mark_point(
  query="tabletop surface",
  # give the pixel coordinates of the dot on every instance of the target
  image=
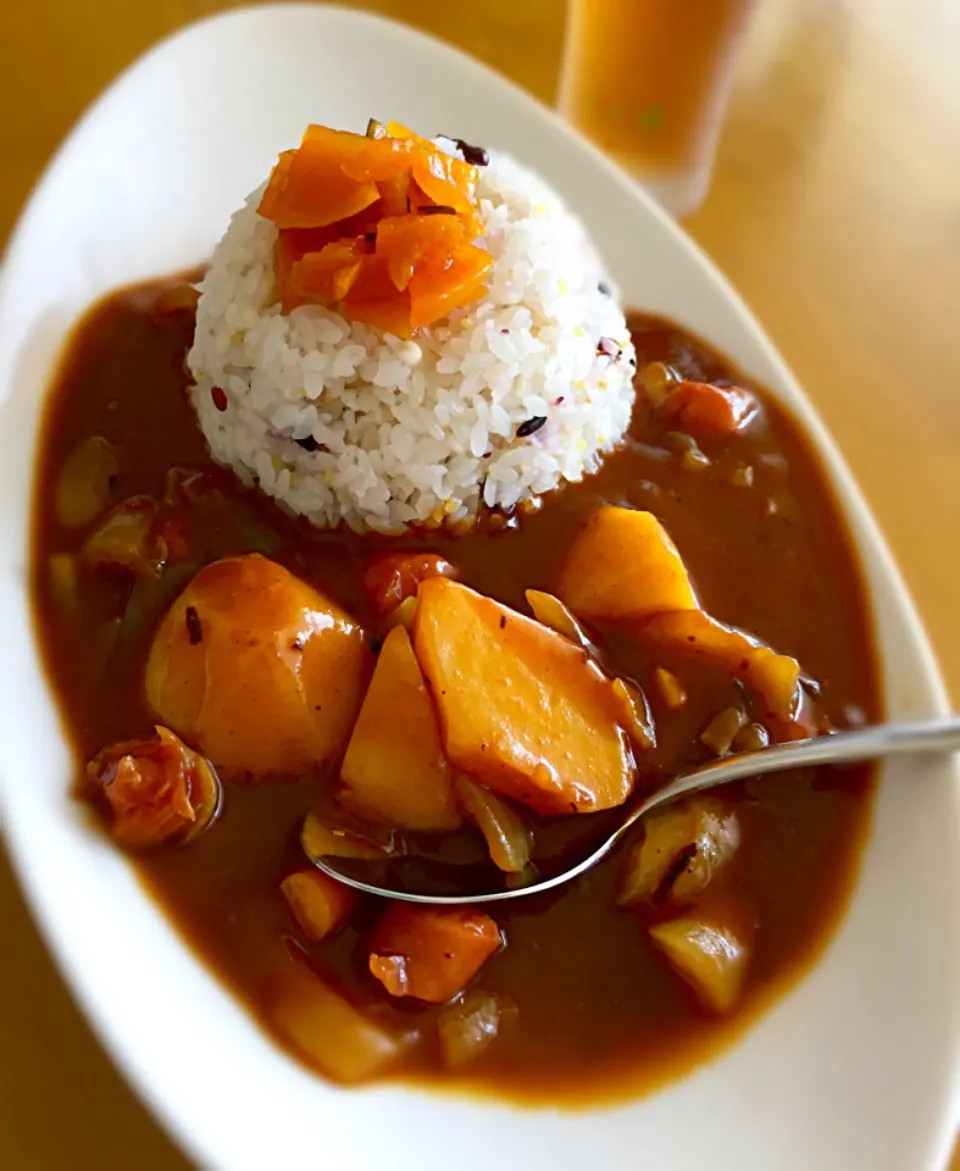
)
(835, 209)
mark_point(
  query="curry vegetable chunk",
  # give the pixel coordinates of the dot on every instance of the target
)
(256, 668)
(711, 956)
(431, 953)
(395, 771)
(326, 1029)
(681, 849)
(521, 708)
(623, 565)
(154, 790)
(319, 904)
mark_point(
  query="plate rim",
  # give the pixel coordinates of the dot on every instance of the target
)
(865, 532)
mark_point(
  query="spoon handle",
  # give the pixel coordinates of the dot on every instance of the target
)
(873, 743)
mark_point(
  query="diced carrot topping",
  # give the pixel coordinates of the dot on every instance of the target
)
(387, 316)
(378, 159)
(278, 180)
(398, 130)
(448, 181)
(710, 410)
(431, 953)
(375, 300)
(315, 190)
(394, 195)
(381, 227)
(389, 579)
(406, 241)
(436, 291)
(327, 275)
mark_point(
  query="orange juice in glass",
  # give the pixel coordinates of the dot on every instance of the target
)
(647, 81)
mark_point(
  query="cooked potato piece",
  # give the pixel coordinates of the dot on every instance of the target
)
(521, 709)
(772, 676)
(665, 835)
(682, 848)
(508, 839)
(623, 565)
(470, 1025)
(82, 488)
(431, 953)
(257, 668)
(317, 902)
(325, 1029)
(717, 839)
(710, 957)
(395, 771)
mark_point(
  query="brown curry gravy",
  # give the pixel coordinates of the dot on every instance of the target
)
(601, 1014)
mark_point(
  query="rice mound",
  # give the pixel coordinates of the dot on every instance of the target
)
(498, 403)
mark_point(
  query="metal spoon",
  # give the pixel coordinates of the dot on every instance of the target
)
(882, 740)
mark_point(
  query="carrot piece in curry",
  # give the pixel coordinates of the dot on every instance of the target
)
(711, 411)
(431, 953)
(391, 578)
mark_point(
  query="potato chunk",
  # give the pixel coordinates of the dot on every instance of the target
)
(431, 953)
(774, 677)
(395, 770)
(326, 1029)
(521, 708)
(469, 1026)
(623, 565)
(682, 849)
(256, 668)
(711, 957)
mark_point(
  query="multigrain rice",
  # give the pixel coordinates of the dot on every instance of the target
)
(497, 404)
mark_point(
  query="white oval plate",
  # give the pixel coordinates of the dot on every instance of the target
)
(855, 1070)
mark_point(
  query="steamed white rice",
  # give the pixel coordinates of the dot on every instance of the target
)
(410, 433)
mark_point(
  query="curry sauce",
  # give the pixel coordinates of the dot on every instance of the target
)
(599, 1015)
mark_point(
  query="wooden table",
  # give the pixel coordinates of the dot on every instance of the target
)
(835, 209)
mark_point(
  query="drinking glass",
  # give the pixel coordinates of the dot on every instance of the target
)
(648, 81)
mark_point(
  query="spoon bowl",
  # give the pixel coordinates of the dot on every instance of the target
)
(872, 743)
